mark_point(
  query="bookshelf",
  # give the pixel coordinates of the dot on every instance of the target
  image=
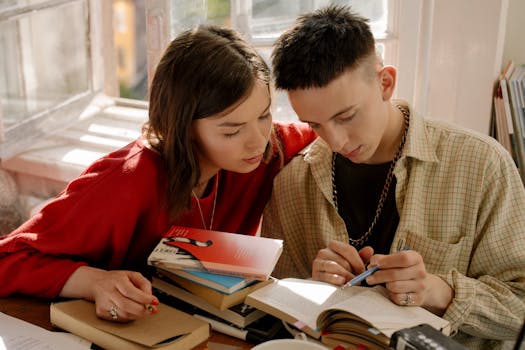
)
(508, 112)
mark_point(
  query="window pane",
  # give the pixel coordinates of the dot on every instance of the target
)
(39, 71)
(262, 21)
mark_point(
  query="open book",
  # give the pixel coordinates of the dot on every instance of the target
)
(226, 253)
(169, 329)
(349, 316)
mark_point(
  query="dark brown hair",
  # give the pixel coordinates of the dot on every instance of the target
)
(203, 72)
(321, 46)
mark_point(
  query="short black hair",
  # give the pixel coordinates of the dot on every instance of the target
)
(320, 46)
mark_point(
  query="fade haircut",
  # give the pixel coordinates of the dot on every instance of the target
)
(322, 45)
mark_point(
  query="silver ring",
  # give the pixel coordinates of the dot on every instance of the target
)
(113, 312)
(408, 299)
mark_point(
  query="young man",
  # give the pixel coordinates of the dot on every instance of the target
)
(380, 178)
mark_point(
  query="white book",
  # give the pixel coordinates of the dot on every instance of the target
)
(354, 315)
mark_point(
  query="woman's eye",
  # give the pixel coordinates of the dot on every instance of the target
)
(266, 116)
(232, 134)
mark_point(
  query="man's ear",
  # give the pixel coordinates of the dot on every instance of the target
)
(387, 77)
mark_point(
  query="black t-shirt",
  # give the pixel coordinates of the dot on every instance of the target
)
(359, 188)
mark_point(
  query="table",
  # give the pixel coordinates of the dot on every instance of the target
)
(36, 311)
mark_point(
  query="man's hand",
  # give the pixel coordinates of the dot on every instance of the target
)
(339, 262)
(405, 277)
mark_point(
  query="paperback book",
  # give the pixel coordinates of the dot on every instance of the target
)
(220, 300)
(241, 315)
(351, 316)
(157, 331)
(226, 253)
(221, 283)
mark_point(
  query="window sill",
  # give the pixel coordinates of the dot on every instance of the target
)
(46, 167)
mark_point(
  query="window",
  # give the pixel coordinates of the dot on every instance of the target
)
(48, 81)
(261, 22)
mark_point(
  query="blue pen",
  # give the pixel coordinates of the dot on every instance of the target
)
(362, 276)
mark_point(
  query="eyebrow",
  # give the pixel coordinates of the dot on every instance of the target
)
(234, 124)
(344, 110)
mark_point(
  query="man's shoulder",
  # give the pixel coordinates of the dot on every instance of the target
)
(448, 136)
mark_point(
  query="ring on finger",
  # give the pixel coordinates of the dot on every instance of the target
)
(113, 312)
(408, 299)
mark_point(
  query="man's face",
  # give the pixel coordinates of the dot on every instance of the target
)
(351, 114)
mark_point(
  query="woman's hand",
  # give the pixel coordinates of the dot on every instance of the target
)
(339, 262)
(119, 295)
(405, 277)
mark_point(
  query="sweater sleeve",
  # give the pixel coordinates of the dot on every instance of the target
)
(294, 137)
(91, 222)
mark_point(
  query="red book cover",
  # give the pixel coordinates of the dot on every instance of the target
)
(218, 252)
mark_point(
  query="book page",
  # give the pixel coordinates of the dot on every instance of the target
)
(303, 299)
(307, 301)
(16, 334)
(373, 305)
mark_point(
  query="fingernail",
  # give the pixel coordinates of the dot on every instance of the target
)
(155, 302)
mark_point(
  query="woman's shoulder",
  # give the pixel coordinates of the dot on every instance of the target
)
(294, 136)
(131, 162)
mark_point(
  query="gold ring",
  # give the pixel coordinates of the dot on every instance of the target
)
(113, 312)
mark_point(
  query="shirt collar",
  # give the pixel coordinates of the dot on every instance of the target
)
(418, 144)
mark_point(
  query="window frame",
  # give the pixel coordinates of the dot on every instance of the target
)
(101, 73)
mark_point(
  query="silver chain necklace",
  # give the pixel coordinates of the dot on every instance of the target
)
(384, 193)
(213, 208)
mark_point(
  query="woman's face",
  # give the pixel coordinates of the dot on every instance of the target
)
(235, 139)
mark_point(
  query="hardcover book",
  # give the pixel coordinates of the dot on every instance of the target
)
(226, 253)
(219, 300)
(351, 316)
(169, 329)
(221, 283)
(240, 315)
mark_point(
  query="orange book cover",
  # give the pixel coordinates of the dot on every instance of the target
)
(215, 251)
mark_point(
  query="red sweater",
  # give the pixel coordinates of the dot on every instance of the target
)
(112, 216)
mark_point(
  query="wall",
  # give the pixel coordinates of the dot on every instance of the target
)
(465, 53)
(514, 47)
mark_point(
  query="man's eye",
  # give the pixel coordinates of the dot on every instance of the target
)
(346, 118)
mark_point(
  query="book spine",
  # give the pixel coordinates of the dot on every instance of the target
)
(247, 275)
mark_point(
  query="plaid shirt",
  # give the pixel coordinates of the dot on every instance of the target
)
(461, 205)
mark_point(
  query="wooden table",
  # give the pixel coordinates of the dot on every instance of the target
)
(36, 311)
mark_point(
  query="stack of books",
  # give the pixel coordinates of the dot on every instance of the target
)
(211, 272)
(508, 113)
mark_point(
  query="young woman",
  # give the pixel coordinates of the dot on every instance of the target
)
(207, 159)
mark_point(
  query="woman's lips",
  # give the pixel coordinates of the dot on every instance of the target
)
(254, 160)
